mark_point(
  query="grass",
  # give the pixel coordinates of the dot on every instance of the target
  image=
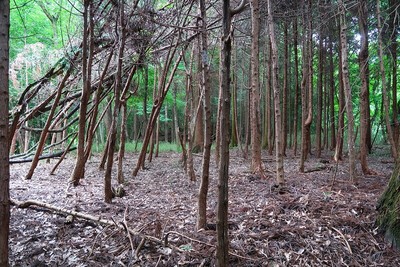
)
(136, 147)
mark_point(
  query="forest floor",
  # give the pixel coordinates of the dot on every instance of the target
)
(320, 219)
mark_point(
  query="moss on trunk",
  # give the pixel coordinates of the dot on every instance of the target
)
(388, 207)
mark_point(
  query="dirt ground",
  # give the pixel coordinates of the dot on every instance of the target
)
(320, 219)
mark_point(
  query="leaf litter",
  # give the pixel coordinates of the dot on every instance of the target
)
(317, 220)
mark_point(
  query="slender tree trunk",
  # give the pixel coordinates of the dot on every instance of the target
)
(384, 90)
(87, 57)
(164, 86)
(285, 110)
(234, 125)
(117, 94)
(278, 120)
(331, 97)
(188, 115)
(270, 106)
(306, 88)
(97, 100)
(392, 30)
(348, 94)
(318, 122)
(206, 88)
(45, 130)
(297, 86)
(198, 141)
(4, 132)
(340, 133)
(256, 164)
(364, 92)
(223, 167)
(175, 111)
(122, 141)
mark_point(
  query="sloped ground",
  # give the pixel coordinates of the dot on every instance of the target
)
(310, 223)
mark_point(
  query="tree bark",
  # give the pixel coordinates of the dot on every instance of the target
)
(278, 119)
(117, 94)
(347, 93)
(297, 86)
(206, 88)
(318, 122)
(384, 89)
(87, 57)
(364, 92)
(223, 167)
(388, 219)
(331, 98)
(256, 164)
(306, 88)
(4, 132)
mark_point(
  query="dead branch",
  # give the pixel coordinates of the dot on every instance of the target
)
(46, 156)
(96, 219)
(316, 169)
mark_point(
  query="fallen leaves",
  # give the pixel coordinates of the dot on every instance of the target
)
(310, 223)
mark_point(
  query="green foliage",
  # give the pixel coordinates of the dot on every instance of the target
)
(137, 146)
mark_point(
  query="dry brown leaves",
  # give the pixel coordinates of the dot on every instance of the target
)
(307, 224)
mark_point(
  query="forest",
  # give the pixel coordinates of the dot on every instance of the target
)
(199, 133)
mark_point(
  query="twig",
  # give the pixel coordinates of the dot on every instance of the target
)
(128, 233)
(344, 238)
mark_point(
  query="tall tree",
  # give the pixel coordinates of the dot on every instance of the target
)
(347, 93)
(318, 122)
(87, 57)
(256, 164)
(4, 135)
(278, 119)
(296, 84)
(385, 99)
(364, 92)
(306, 85)
(206, 89)
(223, 166)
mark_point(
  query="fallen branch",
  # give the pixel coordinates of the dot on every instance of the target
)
(316, 169)
(46, 156)
(96, 219)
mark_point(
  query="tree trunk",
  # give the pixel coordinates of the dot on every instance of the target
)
(93, 118)
(348, 94)
(122, 141)
(256, 164)
(4, 132)
(340, 131)
(384, 90)
(388, 219)
(223, 167)
(297, 86)
(188, 118)
(278, 120)
(45, 130)
(120, 28)
(331, 98)
(364, 92)
(285, 111)
(306, 88)
(318, 122)
(206, 88)
(164, 86)
(198, 141)
(87, 57)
